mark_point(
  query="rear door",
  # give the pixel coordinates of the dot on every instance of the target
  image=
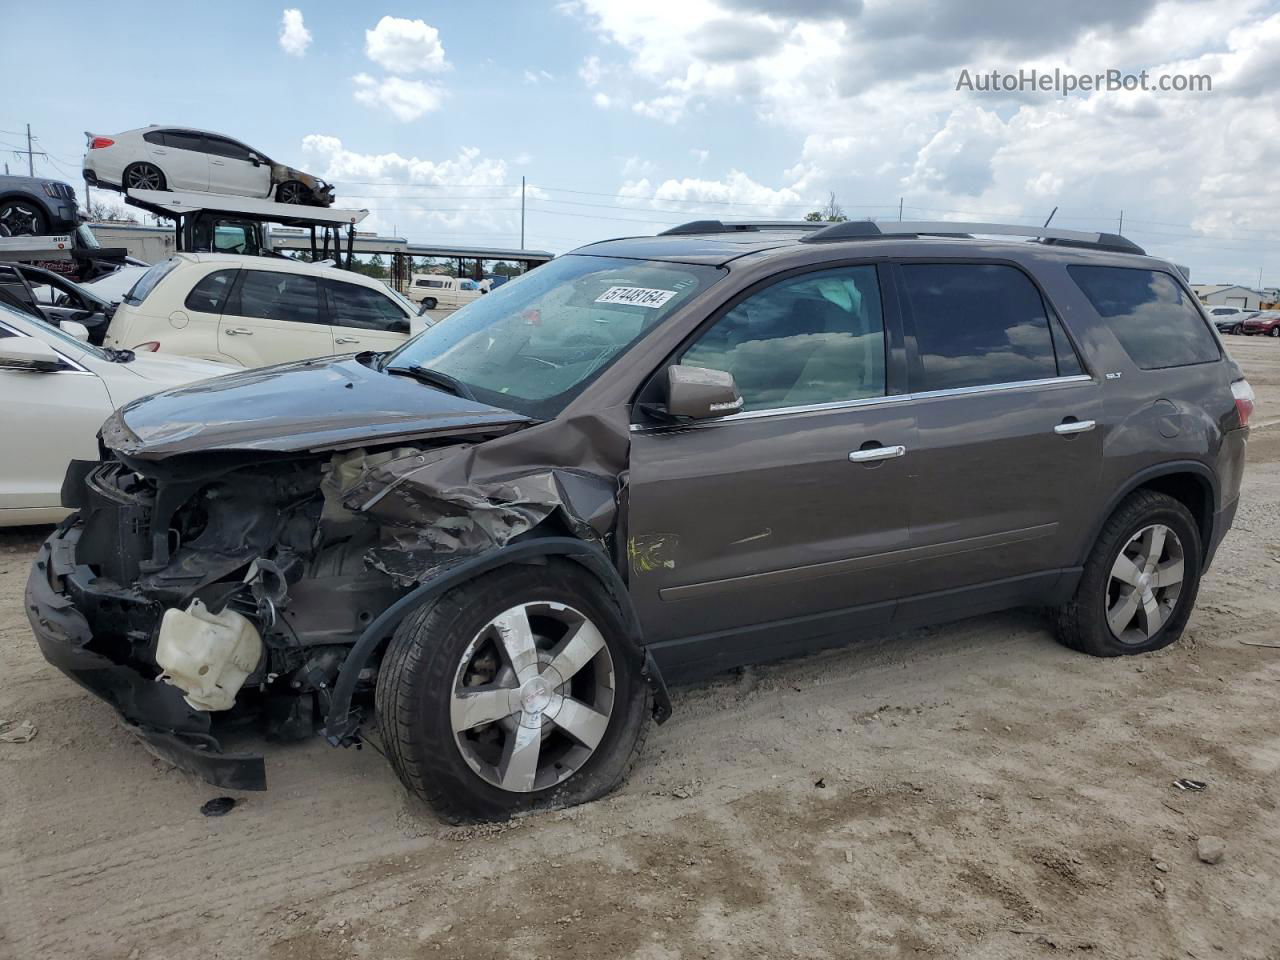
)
(182, 159)
(231, 171)
(1008, 439)
(272, 317)
(361, 318)
(751, 531)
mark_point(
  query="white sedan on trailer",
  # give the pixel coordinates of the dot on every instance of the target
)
(56, 391)
(179, 158)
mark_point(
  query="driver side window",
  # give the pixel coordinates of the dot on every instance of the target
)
(812, 338)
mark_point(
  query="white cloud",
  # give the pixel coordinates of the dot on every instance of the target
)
(736, 188)
(867, 94)
(294, 35)
(602, 100)
(406, 100)
(378, 180)
(533, 77)
(405, 46)
(591, 71)
(700, 155)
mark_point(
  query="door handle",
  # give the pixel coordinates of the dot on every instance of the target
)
(877, 453)
(238, 332)
(345, 340)
(218, 162)
(1068, 427)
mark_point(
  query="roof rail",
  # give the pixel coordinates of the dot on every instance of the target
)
(739, 226)
(867, 229)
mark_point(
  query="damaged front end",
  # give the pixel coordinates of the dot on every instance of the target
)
(209, 578)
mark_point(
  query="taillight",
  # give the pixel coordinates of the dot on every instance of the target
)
(1244, 397)
(97, 143)
(151, 346)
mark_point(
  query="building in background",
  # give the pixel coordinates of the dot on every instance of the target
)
(1229, 295)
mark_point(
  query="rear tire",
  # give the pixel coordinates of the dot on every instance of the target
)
(1119, 600)
(143, 176)
(1238, 329)
(449, 664)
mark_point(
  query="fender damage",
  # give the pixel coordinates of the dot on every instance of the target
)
(309, 533)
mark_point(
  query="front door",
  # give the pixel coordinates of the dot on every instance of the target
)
(231, 171)
(1008, 448)
(781, 523)
(363, 319)
(273, 317)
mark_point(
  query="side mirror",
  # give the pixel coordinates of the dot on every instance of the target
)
(28, 353)
(699, 393)
(255, 159)
(75, 329)
(422, 310)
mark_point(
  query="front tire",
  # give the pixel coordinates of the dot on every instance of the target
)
(1275, 332)
(1238, 329)
(1140, 581)
(516, 691)
(292, 191)
(144, 176)
(429, 303)
(20, 218)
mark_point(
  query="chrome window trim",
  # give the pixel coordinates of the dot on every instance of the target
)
(866, 402)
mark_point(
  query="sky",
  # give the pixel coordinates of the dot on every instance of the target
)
(625, 118)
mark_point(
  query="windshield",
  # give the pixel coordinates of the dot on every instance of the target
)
(85, 237)
(533, 346)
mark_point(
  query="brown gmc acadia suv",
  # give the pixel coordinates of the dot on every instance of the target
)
(653, 457)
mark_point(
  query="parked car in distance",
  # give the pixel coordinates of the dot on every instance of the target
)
(1228, 319)
(35, 206)
(253, 311)
(180, 158)
(434, 290)
(652, 457)
(56, 390)
(58, 298)
(1263, 324)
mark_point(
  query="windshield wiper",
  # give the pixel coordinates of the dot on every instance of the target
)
(434, 378)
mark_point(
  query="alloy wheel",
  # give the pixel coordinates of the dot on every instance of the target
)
(532, 696)
(290, 193)
(1145, 582)
(20, 219)
(144, 177)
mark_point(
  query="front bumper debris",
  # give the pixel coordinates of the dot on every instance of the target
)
(57, 590)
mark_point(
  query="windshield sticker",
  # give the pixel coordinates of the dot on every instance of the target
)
(636, 296)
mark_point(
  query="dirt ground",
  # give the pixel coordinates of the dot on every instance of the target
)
(971, 791)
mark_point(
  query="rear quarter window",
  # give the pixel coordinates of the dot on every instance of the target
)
(210, 294)
(1150, 314)
(147, 282)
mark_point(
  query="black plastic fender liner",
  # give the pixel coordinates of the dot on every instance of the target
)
(341, 728)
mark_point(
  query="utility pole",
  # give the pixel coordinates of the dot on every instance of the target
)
(31, 154)
(899, 209)
(1121, 230)
(522, 213)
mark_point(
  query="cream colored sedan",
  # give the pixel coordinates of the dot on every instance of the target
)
(256, 311)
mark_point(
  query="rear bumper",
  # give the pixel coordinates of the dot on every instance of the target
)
(156, 712)
(1222, 521)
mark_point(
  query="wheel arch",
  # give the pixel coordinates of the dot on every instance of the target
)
(124, 171)
(341, 727)
(1190, 482)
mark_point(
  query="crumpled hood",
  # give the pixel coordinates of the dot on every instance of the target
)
(325, 404)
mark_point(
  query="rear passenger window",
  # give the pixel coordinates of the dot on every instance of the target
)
(280, 296)
(210, 294)
(814, 338)
(977, 324)
(1153, 319)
